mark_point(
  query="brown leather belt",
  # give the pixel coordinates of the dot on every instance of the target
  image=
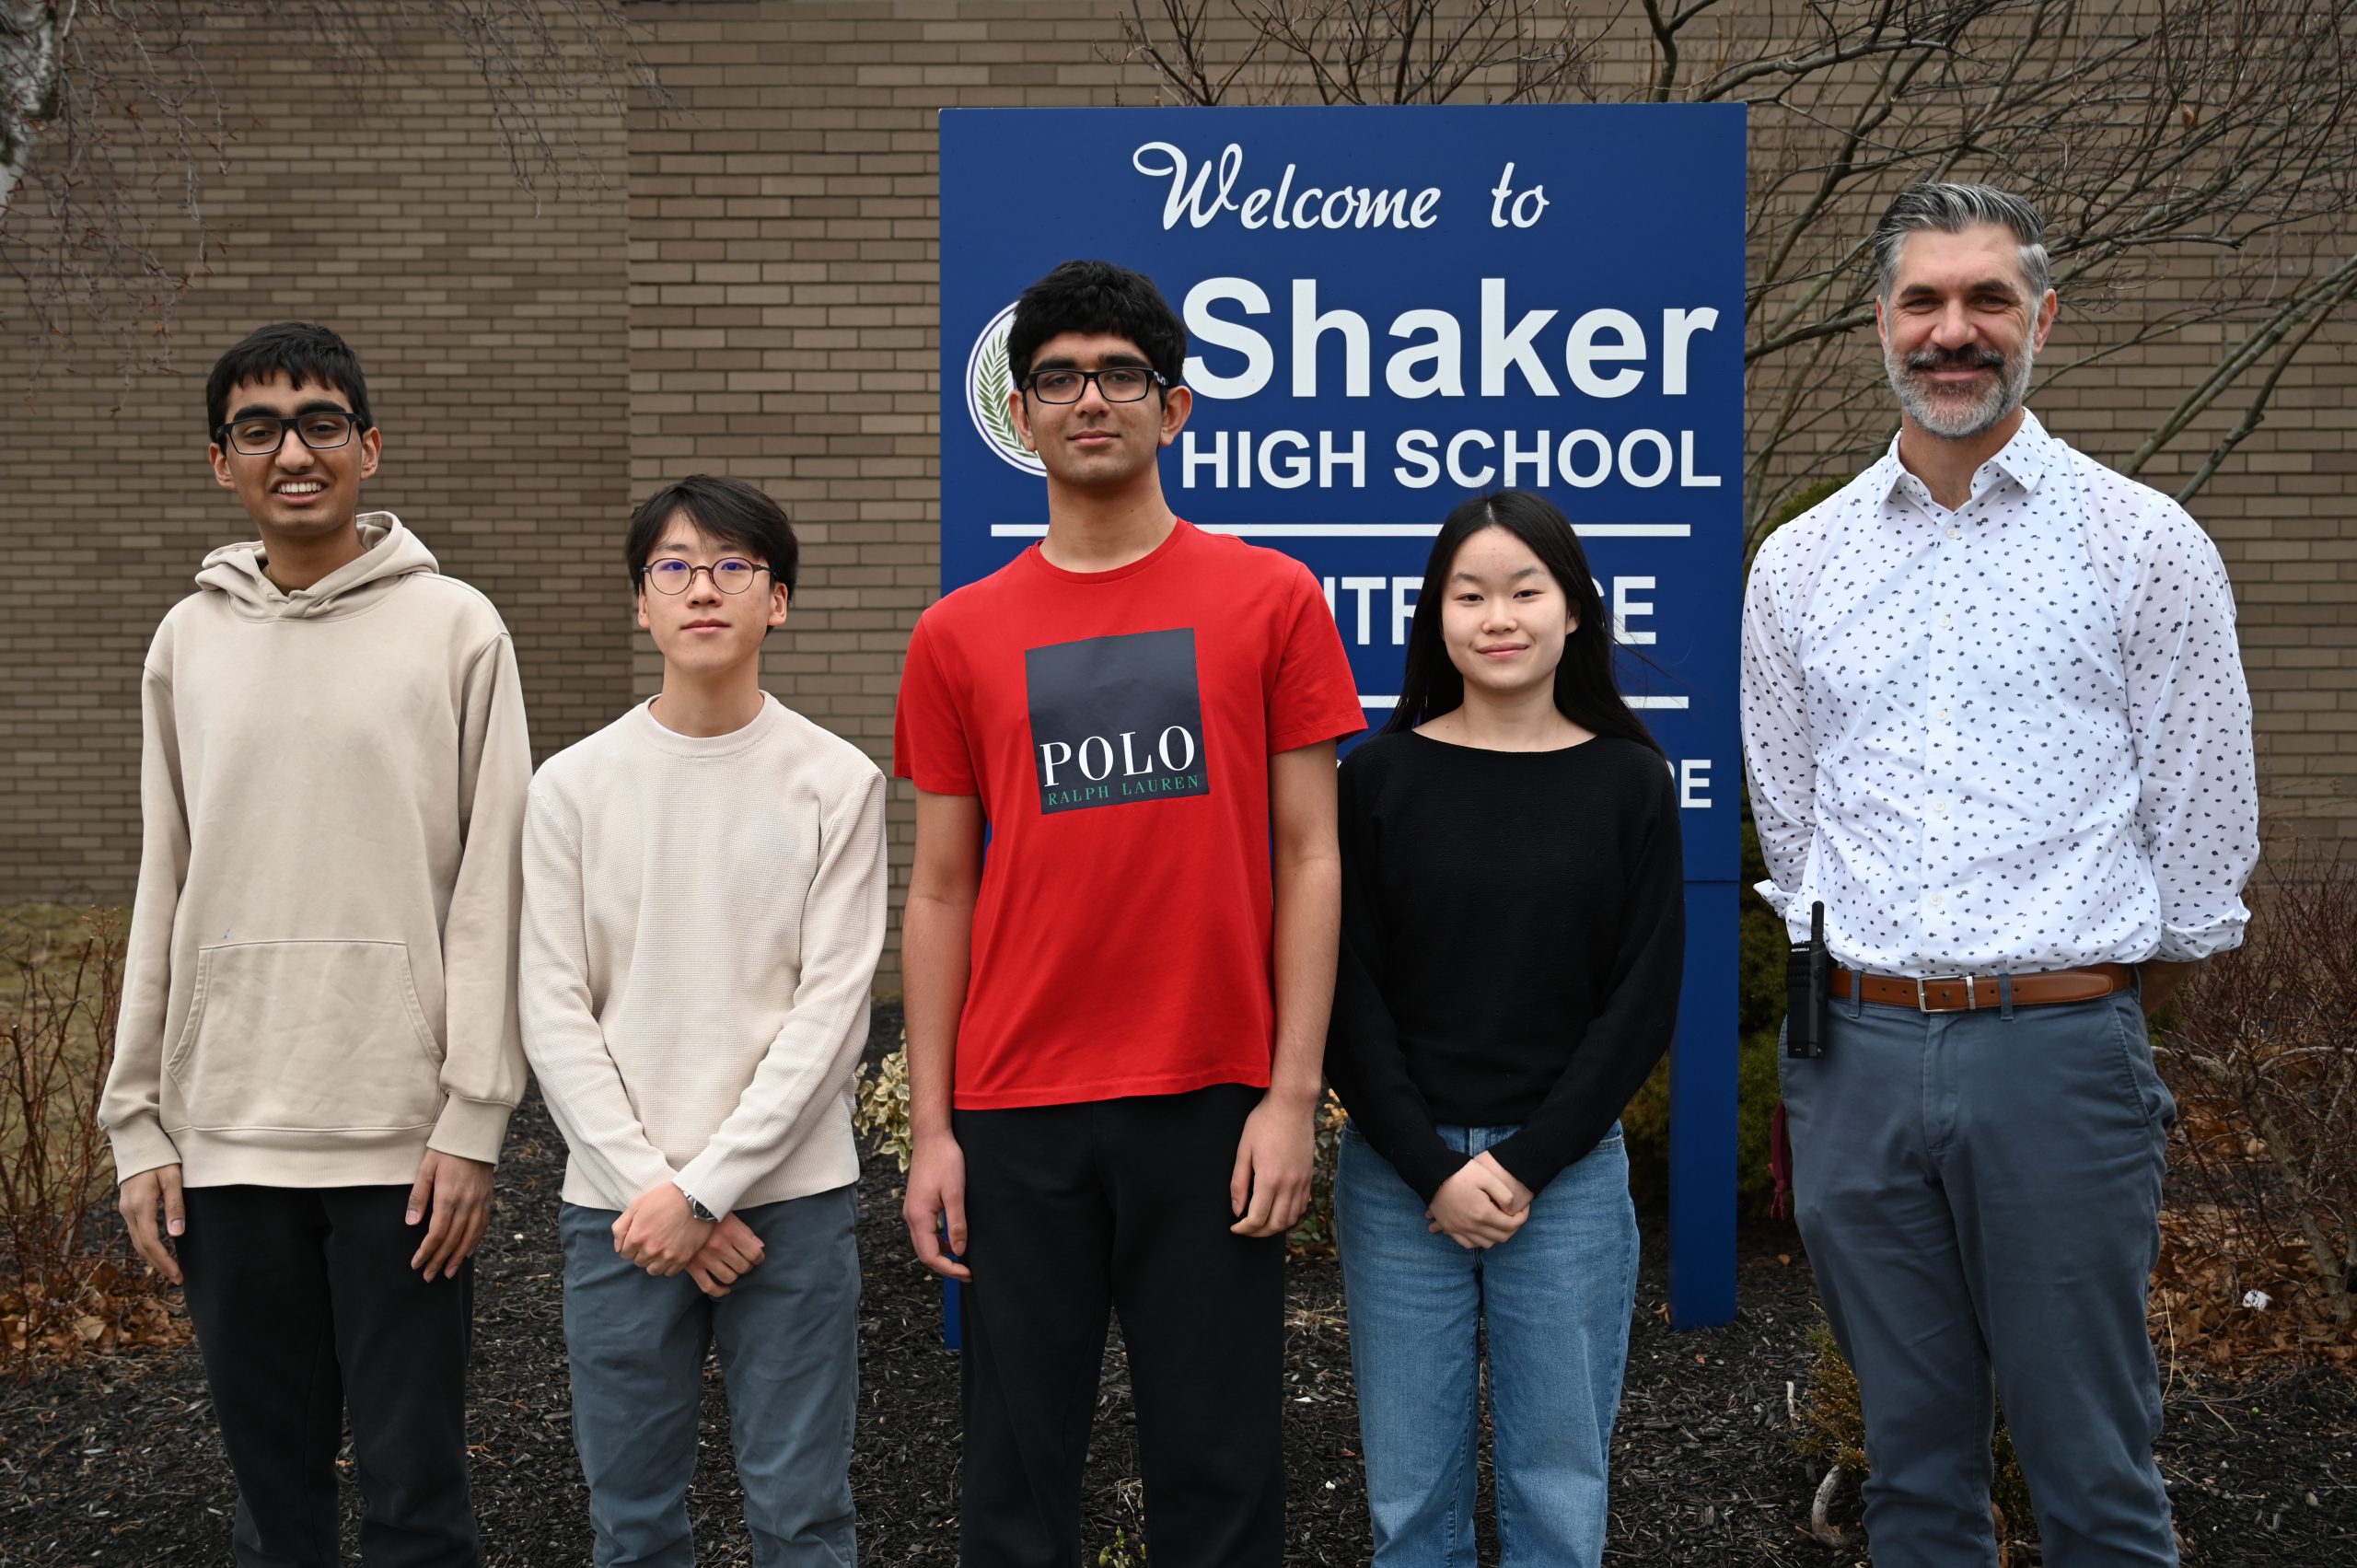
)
(1967, 993)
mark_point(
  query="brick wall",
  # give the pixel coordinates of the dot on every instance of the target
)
(755, 295)
(783, 298)
(494, 340)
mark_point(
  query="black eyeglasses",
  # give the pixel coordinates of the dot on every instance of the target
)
(730, 574)
(260, 435)
(1116, 384)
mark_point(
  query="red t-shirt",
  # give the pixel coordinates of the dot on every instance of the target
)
(1117, 727)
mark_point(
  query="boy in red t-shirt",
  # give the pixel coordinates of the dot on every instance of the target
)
(1116, 1023)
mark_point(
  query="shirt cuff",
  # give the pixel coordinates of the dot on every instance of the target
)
(2191, 944)
(712, 1180)
(470, 1129)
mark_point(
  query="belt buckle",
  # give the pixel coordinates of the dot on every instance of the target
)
(1923, 1003)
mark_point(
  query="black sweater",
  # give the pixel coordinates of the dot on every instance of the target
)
(1513, 930)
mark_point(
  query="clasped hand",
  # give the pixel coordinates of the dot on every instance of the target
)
(661, 1235)
(1479, 1206)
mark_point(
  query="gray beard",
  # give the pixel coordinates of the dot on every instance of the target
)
(1984, 413)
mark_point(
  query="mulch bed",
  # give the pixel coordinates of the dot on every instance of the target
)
(115, 1460)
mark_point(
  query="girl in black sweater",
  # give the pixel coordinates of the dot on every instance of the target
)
(1513, 936)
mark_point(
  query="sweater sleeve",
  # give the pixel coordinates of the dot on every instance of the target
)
(1633, 1025)
(810, 1062)
(1362, 1053)
(578, 1076)
(482, 1060)
(131, 1109)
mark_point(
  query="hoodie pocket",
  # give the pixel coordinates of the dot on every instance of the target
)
(324, 1037)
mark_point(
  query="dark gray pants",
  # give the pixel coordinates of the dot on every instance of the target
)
(788, 1338)
(1980, 1194)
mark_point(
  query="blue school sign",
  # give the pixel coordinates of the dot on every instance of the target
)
(1390, 309)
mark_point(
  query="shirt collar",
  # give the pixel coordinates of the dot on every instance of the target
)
(2025, 459)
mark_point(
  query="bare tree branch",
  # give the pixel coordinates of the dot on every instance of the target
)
(2344, 280)
(2313, 305)
(111, 126)
(2195, 158)
(1336, 51)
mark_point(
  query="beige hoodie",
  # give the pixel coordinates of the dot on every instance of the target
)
(321, 981)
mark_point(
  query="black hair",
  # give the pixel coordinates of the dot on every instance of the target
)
(729, 510)
(1584, 690)
(299, 351)
(1098, 296)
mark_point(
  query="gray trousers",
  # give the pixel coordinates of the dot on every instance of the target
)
(788, 1337)
(1980, 1194)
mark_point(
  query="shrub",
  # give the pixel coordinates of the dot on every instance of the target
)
(1762, 942)
(2261, 1052)
(1313, 1235)
(72, 1283)
(1121, 1552)
(1759, 1014)
(880, 1104)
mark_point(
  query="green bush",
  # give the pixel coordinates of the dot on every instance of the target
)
(1313, 1235)
(880, 1105)
(1759, 1014)
(1760, 1006)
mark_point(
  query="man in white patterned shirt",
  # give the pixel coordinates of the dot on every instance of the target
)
(1994, 721)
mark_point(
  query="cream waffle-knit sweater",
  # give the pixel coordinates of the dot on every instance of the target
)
(703, 918)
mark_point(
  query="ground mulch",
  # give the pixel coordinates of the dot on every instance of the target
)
(115, 1460)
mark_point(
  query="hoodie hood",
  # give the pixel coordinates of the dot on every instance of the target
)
(390, 552)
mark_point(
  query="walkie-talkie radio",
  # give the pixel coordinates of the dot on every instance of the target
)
(1808, 973)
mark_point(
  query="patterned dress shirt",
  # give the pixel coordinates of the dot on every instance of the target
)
(2010, 737)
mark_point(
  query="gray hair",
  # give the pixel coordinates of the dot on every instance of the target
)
(1952, 208)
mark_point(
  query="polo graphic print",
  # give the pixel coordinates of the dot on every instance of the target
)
(1115, 720)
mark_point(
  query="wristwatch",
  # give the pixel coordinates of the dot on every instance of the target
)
(695, 1207)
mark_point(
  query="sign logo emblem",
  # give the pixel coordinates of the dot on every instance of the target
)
(988, 382)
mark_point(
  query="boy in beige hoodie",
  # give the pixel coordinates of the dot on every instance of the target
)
(318, 1049)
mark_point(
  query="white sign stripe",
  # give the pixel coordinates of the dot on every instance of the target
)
(1372, 531)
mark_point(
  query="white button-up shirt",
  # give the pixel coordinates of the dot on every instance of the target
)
(2010, 737)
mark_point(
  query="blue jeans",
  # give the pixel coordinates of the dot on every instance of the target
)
(1981, 1196)
(788, 1337)
(1556, 1300)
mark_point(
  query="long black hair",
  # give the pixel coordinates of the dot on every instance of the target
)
(1584, 690)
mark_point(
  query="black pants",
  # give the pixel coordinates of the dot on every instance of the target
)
(1075, 1210)
(305, 1304)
